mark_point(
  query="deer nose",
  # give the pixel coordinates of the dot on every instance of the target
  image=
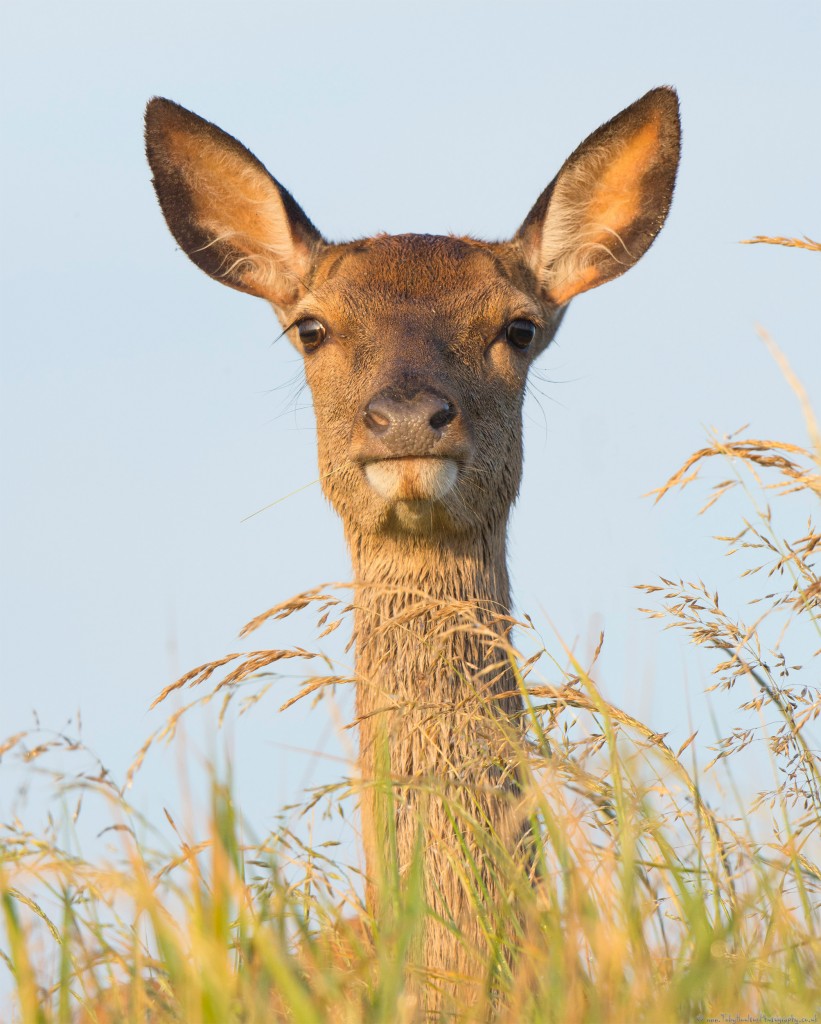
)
(409, 426)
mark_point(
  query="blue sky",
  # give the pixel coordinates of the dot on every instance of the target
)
(147, 412)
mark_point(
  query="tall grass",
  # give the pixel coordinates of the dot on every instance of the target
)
(649, 901)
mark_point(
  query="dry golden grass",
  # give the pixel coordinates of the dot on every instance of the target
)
(794, 243)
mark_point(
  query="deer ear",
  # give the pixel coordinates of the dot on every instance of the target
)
(231, 217)
(603, 209)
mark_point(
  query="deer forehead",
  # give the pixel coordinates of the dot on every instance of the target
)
(447, 284)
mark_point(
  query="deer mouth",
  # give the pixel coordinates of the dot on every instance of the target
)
(411, 478)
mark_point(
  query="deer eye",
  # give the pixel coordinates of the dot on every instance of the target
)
(311, 333)
(520, 333)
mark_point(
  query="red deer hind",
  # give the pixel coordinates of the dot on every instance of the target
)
(416, 351)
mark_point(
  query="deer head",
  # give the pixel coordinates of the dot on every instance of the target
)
(417, 347)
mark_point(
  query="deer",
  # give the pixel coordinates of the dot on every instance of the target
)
(416, 351)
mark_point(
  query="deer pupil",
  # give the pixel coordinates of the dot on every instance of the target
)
(311, 332)
(520, 333)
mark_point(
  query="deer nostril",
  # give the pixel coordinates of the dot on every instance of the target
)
(376, 421)
(443, 416)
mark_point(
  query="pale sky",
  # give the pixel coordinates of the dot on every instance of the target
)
(146, 411)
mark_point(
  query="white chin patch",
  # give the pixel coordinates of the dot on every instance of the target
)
(412, 479)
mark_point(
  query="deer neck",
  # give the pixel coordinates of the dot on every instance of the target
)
(431, 619)
(439, 709)
(471, 567)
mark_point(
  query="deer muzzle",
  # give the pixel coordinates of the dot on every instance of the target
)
(410, 446)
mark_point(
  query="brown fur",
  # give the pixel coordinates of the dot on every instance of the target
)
(409, 315)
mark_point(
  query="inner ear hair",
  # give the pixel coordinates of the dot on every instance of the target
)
(228, 214)
(608, 202)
